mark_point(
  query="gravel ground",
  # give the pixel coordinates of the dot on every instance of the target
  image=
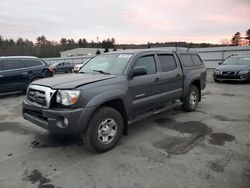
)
(206, 148)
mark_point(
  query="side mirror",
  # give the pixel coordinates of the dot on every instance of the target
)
(220, 63)
(138, 71)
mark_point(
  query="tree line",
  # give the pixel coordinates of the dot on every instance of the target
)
(45, 48)
(48, 48)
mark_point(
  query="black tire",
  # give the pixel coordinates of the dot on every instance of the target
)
(190, 104)
(94, 139)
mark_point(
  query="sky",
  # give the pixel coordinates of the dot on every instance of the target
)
(128, 21)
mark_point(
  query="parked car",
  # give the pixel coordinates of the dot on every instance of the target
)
(77, 67)
(234, 68)
(16, 73)
(63, 67)
(114, 90)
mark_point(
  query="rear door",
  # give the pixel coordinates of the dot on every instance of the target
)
(34, 68)
(12, 76)
(145, 90)
(172, 76)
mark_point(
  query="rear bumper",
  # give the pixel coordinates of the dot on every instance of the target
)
(61, 121)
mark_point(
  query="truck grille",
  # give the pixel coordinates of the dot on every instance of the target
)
(37, 96)
(40, 95)
(228, 73)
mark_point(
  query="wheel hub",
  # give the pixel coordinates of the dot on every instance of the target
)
(193, 98)
(107, 131)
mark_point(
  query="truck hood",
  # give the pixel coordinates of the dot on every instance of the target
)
(233, 67)
(71, 81)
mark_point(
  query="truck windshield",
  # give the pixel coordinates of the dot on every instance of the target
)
(107, 64)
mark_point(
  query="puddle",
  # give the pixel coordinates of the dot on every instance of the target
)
(35, 176)
(50, 140)
(216, 167)
(46, 186)
(14, 127)
(220, 138)
(227, 94)
(191, 127)
(181, 145)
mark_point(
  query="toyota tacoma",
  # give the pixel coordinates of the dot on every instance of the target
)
(114, 90)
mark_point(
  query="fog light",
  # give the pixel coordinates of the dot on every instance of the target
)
(66, 121)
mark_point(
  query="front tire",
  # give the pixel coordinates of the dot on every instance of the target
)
(190, 102)
(104, 130)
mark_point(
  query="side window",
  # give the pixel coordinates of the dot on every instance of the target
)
(167, 62)
(148, 62)
(11, 64)
(196, 59)
(187, 60)
(31, 63)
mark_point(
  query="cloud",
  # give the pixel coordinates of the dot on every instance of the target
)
(128, 21)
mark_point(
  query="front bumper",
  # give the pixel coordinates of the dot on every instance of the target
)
(236, 77)
(61, 121)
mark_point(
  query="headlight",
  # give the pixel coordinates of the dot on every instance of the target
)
(67, 97)
(243, 72)
(216, 71)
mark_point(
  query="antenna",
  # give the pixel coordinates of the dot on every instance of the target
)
(176, 45)
(189, 46)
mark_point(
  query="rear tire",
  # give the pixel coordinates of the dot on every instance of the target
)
(104, 130)
(190, 102)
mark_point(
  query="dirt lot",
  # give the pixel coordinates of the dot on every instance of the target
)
(206, 148)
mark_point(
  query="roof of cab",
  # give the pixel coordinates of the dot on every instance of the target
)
(161, 49)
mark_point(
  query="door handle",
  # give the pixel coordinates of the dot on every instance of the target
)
(1, 76)
(157, 79)
(24, 73)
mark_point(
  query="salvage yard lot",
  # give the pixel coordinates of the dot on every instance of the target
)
(206, 148)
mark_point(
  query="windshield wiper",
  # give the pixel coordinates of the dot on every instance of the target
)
(102, 72)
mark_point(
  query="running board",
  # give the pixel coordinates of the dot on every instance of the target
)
(154, 112)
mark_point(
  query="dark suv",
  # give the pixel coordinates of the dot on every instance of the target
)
(16, 73)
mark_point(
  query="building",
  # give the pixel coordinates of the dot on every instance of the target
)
(81, 52)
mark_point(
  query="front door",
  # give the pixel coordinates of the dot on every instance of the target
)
(144, 91)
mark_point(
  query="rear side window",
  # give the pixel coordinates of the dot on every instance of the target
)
(31, 63)
(196, 59)
(167, 62)
(148, 62)
(11, 64)
(187, 60)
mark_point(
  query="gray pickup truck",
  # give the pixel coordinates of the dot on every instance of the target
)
(114, 90)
